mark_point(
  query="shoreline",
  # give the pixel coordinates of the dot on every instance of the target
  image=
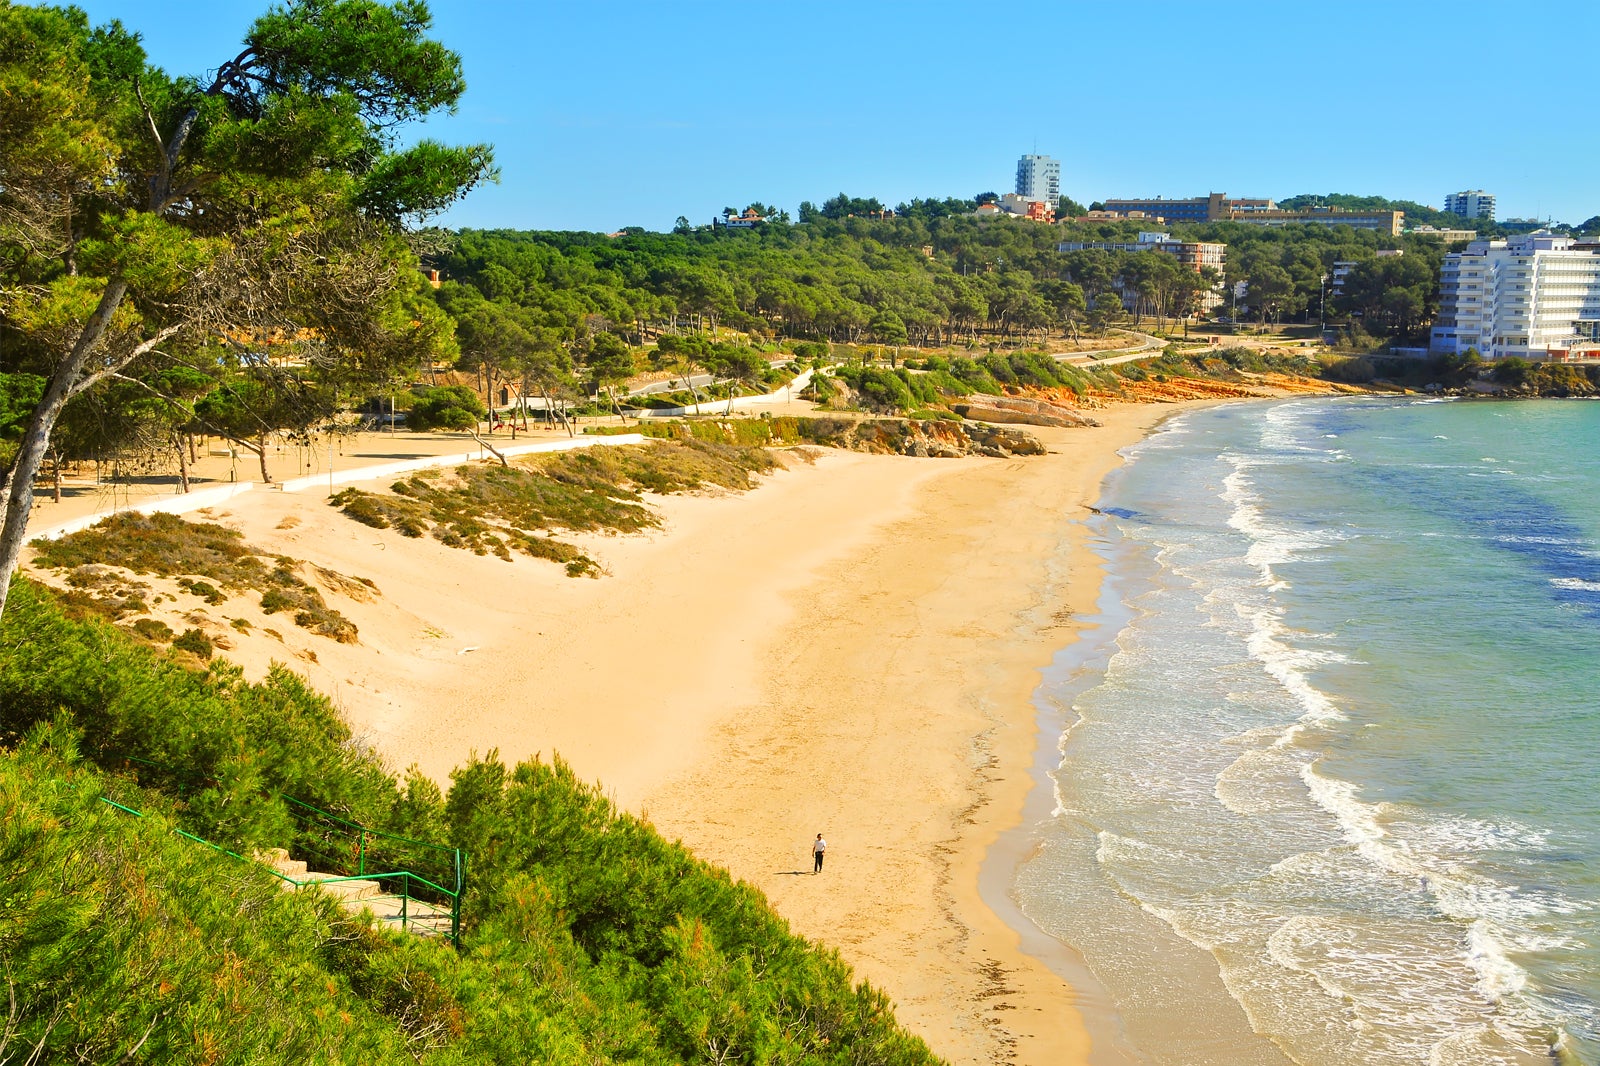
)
(1017, 584)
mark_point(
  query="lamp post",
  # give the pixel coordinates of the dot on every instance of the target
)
(1322, 306)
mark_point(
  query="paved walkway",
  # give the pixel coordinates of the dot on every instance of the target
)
(220, 474)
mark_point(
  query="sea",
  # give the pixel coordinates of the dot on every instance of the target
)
(1327, 788)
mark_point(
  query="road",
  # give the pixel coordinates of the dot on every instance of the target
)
(1147, 347)
(673, 385)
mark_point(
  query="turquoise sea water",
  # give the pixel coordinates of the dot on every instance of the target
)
(1329, 790)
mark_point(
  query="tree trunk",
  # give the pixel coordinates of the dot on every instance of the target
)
(490, 447)
(36, 438)
(183, 465)
(688, 377)
(261, 454)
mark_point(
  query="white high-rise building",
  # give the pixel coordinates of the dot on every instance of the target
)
(1473, 204)
(1039, 178)
(1526, 296)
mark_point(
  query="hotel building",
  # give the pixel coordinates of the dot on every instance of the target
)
(1535, 296)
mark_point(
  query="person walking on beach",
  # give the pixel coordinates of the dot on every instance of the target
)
(817, 849)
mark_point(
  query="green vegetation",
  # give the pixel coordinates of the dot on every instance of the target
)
(1512, 377)
(587, 938)
(498, 509)
(169, 546)
(927, 278)
(152, 222)
(923, 434)
(446, 407)
(930, 385)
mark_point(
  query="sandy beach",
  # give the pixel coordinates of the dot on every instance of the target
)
(851, 649)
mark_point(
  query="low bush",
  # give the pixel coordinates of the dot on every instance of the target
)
(169, 546)
(195, 642)
(496, 510)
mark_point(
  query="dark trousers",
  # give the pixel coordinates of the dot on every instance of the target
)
(816, 864)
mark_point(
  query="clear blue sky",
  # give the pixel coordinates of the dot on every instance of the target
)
(631, 112)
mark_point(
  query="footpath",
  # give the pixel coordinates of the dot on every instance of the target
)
(214, 479)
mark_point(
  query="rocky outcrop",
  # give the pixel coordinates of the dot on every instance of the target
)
(1020, 410)
(939, 439)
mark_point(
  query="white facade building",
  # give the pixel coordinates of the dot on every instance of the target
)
(1528, 296)
(1039, 178)
(1472, 204)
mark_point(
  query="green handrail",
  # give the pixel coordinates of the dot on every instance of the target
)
(455, 858)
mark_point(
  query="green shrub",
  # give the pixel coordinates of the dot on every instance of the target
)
(167, 545)
(495, 510)
(204, 589)
(195, 642)
(445, 407)
(153, 630)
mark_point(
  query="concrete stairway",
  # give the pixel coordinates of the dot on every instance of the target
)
(359, 894)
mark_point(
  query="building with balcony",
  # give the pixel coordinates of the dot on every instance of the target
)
(1535, 296)
(1448, 236)
(1472, 204)
(1039, 178)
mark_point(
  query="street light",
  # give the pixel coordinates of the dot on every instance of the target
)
(1322, 306)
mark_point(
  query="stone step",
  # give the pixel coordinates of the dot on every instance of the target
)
(346, 889)
(361, 894)
(426, 919)
(279, 860)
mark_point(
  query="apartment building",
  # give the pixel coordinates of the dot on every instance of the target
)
(1535, 296)
(1039, 178)
(1474, 203)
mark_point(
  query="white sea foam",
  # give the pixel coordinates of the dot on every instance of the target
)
(1411, 928)
(1112, 850)
(1517, 538)
(1358, 821)
(1466, 836)
(1251, 783)
(1493, 913)
(1498, 976)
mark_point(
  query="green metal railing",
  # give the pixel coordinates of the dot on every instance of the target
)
(407, 869)
(425, 881)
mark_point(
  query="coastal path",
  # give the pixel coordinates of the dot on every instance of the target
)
(92, 507)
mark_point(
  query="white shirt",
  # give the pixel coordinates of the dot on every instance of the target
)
(819, 847)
